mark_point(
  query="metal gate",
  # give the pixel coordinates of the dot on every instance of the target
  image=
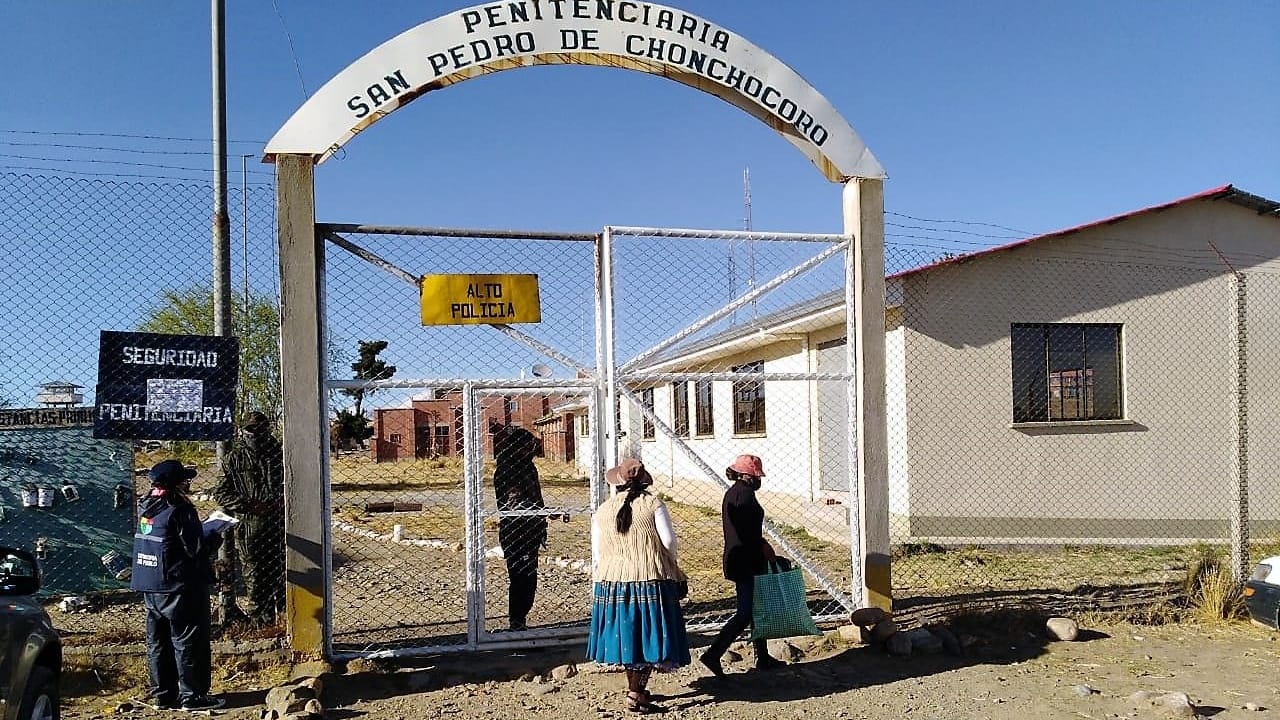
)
(683, 348)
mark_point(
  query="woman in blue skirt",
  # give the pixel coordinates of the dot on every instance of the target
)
(636, 621)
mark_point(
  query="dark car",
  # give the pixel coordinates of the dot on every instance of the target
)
(31, 652)
(1262, 593)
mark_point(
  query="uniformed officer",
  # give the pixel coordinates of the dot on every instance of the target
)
(172, 569)
(252, 489)
(516, 488)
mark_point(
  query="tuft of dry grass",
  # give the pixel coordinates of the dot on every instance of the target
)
(1212, 594)
(123, 634)
(94, 676)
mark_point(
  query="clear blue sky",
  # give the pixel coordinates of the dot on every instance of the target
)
(1032, 115)
(1035, 115)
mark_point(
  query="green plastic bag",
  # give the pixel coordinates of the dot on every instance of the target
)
(779, 608)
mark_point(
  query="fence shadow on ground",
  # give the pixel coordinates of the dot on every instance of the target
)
(926, 609)
(995, 636)
(852, 669)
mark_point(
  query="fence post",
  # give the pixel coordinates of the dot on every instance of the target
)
(306, 481)
(864, 220)
(1240, 564)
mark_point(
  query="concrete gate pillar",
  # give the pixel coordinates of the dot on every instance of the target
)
(305, 434)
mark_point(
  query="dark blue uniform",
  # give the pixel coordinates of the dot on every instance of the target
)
(173, 571)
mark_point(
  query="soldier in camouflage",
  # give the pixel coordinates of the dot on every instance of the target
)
(252, 489)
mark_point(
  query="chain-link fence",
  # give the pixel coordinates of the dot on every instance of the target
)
(729, 344)
(422, 557)
(1072, 413)
(1083, 410)
(484, 452)
(84, 256)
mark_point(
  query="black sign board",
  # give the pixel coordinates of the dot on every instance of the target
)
(166, 387)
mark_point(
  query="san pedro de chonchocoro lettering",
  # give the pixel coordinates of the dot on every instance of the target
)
(138, 412)
(168, 356)
(702, 53)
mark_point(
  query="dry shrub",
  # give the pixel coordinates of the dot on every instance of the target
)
(1165, 611)
(1212, 594)
(95, 675)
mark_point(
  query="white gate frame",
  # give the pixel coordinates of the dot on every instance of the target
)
(605, 383)
(308, 519)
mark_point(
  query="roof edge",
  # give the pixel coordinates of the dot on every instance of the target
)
(1230, 193)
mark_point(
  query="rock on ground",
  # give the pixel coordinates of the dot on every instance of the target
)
(1064, 629)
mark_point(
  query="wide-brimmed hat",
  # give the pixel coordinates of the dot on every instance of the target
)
(169, 473)
(628, 471)
(748, 465)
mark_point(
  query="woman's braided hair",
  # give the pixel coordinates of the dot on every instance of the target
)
(635, 488)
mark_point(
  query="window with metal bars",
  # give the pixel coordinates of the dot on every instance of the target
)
(748, 401)
(680, 408)
(705, 424)
(646, 425)
(1066, 371)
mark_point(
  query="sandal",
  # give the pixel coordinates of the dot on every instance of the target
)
(638, 703)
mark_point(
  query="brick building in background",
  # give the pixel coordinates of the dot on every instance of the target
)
(432, 427)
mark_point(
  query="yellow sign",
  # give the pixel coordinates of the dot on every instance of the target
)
(480, 299)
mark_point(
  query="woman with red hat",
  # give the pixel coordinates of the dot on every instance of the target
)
(746, 553)
(636, 620)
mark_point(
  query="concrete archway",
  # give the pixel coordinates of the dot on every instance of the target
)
(639, 36)
(498, 36)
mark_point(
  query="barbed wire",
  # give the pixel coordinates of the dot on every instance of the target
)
(51, 173)
(958, 232)
(130, 163)
(135, 136)
(959, 222)
(103, 148)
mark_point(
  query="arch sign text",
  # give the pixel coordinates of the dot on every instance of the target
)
(628, 34)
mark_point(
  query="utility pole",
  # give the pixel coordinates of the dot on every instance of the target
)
(221, 226)
(221, 221)
(245, 319)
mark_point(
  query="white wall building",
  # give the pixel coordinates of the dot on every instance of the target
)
(1079, 386)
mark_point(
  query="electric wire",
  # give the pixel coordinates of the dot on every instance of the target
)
(297, 66)
(102, 148)
(124, 135)
(960, 222)
(98, 161)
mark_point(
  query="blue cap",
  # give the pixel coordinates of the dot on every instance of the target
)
(170, 472)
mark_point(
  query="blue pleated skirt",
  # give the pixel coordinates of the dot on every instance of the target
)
(637, 625)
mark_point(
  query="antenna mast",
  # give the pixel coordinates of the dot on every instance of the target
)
(748, 226)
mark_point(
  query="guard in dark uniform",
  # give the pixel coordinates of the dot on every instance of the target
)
(172, 568)
(516, 488)
(252, 489)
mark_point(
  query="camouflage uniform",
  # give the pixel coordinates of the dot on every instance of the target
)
(252, 489)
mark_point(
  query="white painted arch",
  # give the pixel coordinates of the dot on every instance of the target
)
(628, 34)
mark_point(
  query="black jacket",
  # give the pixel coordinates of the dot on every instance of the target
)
(516, 487)
(171, 551)
(743, 520)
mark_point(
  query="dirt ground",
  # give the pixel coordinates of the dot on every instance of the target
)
(1222, 667)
